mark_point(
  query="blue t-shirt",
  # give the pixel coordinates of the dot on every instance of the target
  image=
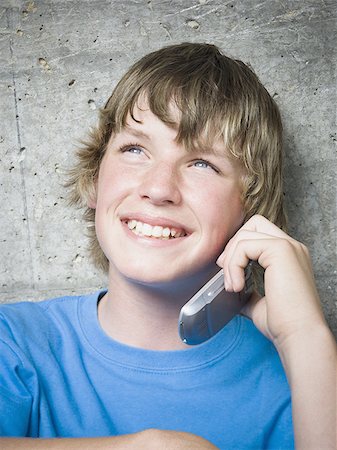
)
(62, 376)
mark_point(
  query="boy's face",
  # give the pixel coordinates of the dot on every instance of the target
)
(163, 213)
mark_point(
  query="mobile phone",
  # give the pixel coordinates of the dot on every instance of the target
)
(211, 308)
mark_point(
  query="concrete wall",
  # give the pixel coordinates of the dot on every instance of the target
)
(59, 60)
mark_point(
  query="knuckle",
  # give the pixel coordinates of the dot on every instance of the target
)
(295, 246)
(304, 249)
(287, 245)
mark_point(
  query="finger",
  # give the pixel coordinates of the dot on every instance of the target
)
(265, 251)
(257, 227)
(261, 224)
(251, 234)
(240, 235)
(226, 260)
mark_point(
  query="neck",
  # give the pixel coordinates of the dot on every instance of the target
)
(146, 316)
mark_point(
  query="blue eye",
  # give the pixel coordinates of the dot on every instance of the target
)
(134, 150)
(202, 164)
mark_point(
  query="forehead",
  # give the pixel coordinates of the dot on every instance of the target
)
(141, 120)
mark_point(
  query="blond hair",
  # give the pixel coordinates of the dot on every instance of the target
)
(218, 97)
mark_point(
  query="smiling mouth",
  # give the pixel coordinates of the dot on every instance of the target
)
(156, 231)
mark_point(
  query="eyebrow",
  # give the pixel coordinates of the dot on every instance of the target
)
(201, 150)
(137, 133)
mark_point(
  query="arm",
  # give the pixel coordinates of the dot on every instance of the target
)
(122, 442)
(310, 363)
(146, 440)
(291, 316)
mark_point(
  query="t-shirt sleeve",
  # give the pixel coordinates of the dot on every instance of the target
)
(15, 395)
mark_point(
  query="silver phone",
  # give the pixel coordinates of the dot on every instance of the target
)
(211, 308)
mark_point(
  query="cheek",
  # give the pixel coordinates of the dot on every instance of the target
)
(112, 186)
(223, 216)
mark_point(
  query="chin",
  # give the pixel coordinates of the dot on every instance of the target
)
(152, 277)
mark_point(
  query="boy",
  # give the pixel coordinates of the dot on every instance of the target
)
(182, 175)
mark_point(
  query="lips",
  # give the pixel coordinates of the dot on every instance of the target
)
(155, 231)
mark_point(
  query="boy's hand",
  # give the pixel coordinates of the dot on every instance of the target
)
(291, 316)
(171, 440)
(291, 304)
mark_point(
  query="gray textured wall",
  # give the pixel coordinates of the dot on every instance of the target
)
(59, 62)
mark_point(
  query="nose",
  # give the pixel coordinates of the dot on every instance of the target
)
(160, 185)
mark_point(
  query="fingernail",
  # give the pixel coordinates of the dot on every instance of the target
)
(219, 261)
(228, 285)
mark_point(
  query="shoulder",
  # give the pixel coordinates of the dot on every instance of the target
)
(28, 313)
(40, 321)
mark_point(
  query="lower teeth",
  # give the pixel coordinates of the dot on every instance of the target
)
(154, 237)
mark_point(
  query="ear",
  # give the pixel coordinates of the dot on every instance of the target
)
(91, 203)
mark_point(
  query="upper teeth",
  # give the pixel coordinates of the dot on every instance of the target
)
(156, 231)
